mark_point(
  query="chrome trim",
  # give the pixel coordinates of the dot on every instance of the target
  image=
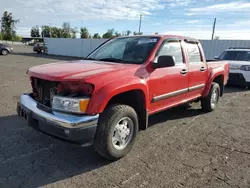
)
(175, 93)
(62, 119)
(168, 95)
(196, 87)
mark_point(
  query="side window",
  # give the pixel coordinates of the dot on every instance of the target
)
(194, 55)
(172, 49)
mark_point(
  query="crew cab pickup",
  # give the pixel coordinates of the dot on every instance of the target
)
(107, 98)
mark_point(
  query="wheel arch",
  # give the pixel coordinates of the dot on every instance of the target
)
(217, 78)
(134, 95)
(220, 80)
(5, 50)
(136, 99)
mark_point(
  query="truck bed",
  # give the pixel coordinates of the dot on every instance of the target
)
(217, 63)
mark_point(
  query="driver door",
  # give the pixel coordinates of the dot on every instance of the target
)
(169, 85)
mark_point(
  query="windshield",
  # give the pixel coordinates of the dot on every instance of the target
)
(131, 50)
(236, 55)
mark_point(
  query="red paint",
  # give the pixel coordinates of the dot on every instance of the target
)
(110, 79)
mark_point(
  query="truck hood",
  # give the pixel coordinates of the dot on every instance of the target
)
(75, 70)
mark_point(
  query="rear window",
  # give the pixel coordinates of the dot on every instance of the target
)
(194, 55)
(236, 55)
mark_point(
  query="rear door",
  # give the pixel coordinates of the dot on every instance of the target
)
(169, 85)
(198, 70)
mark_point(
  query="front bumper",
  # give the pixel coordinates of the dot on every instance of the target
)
(74, 128)
(10, 51)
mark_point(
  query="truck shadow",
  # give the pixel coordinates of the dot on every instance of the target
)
(45, 56)
(179, 112)
(31, 159)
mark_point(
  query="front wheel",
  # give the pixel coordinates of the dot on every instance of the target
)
(116, 131)
(5, 52)
(209, 102)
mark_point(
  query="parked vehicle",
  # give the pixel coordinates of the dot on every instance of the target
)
(5, 49)
(106, 99)
(239, 61)
(40, 48)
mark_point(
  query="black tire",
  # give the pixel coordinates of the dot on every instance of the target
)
(104, 133)
(4, 52)
(206, 103)
(248, 85)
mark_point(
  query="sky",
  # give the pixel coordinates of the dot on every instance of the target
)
(193, 18)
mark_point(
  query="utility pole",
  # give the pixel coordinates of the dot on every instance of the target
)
(140, 24)
(213, 28)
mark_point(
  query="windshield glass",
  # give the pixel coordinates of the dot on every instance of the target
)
(131, 50)
(236, 55)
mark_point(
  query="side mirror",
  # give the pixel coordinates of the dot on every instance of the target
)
(164, 61)
(216, 57)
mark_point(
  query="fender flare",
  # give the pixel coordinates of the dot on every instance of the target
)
(102, 96)
(213, 74)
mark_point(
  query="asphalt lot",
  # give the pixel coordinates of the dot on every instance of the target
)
(181, 148)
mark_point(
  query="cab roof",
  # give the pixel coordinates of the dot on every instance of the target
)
(188, 39)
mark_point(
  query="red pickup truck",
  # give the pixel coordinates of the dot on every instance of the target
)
(106, 99)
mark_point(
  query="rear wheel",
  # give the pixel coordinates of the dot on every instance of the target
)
(209, 102)
(248, 85)
(5, 52)
(116, 131)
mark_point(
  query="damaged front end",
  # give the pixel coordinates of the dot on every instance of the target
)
(71, 97)
(59, 109)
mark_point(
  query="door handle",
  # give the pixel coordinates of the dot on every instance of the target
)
(202, 69)
(184, 71)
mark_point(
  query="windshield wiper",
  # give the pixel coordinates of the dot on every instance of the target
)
(91, 59)
(112, 60)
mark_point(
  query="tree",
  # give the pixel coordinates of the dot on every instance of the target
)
(84, 32)
(117, 34)
(66, 30)
(35, 32)
(1, 36)
(17, 38)
(128, 32)
(109, 34)
(56, 32)
(73, 32)
(96, 36)
(8, 26)
(137, 33)
(46, 31)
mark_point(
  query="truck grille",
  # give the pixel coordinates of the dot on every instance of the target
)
(44, 90)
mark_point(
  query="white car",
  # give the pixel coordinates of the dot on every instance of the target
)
(239, 61)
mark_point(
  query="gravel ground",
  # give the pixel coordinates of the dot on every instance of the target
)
(181, 148)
